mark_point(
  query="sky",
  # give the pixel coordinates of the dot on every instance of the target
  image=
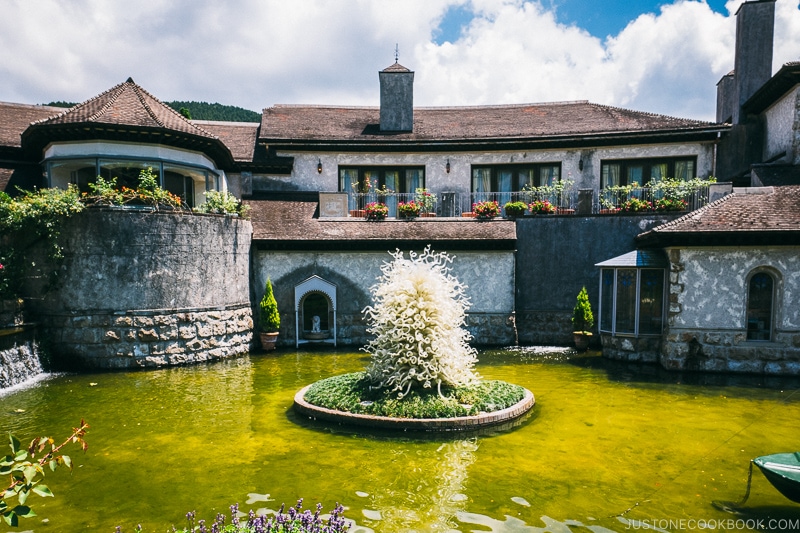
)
(662, 57)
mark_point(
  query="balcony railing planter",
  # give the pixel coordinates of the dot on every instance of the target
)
(408, 210)
(542, 207)
(376, 211)
(358, 213)
(486, 210)
(515, 209)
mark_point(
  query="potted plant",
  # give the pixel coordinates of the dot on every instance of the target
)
(635, 205)
(542, 207)
(582, 321)
(671, 204)
(515, 209)
(427, 202)
(409, 210)
(269, 318)
(486, 210)
(376, 211)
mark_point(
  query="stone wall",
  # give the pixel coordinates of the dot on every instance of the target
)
(145, 288)
(488, 275)
(556, 255)
(706, 327)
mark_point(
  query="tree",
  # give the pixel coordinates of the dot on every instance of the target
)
(582, 317)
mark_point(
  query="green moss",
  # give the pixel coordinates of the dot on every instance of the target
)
(351, 393)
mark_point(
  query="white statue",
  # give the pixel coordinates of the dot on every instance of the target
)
(315, 325)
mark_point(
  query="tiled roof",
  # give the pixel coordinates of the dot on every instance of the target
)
(397, 67)
(239, 137)
(292, 223)
(294, 123)
(127, 104)
(14, 118)
(766, 215)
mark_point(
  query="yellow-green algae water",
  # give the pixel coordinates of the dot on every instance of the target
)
(608, 447)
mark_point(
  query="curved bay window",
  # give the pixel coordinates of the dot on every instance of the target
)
(187, 182)
(760, 292)
(632, 294)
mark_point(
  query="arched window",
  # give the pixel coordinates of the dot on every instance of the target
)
(760, 300)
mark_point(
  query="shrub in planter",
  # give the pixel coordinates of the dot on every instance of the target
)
(582, 320)
(486, 210)
(408, 209)
(515, 209)
(269, 320)
(542, 207)
(635, 205)
(376, 211)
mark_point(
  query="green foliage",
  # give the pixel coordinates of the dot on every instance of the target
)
(26, 471)
(223, 203)
(150, 192)
(582, 317)
(426, 200)
(185, 113)
(24, 221)
(207, 111)
(104, 192)
(270, 318)
(515, 209)
(61, 103)
(352, 393)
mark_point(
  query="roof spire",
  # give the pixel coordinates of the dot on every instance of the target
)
(396, 52)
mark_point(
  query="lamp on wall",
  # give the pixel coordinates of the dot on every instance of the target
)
(319, 166)
(447, 166)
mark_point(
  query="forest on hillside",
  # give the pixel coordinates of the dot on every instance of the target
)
(200, 111)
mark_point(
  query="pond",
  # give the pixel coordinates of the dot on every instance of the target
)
(608, 447)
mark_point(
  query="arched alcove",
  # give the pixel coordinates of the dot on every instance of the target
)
(315, 297)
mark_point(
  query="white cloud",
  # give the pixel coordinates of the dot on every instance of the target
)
(256, 53)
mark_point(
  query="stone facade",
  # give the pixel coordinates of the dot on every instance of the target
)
(706, 327)
(151, 338)
(488, 275)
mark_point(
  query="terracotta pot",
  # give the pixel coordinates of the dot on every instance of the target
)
(358, 213)
(268, 341)
(564, 211)
(609, 211)
(468, 215)
(427, 215)
(581, 340)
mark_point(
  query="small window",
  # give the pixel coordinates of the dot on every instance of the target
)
(760, 293)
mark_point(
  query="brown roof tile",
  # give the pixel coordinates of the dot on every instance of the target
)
(281, 222)
(754, 216)
(319, 123)
(127, 104)
(239, 137)
(15, 118)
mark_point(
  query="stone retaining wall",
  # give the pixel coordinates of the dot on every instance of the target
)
(145, 288)
(152, 338)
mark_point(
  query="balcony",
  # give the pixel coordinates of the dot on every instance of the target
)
(686, 196)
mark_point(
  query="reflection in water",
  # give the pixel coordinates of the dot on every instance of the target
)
(421, 498)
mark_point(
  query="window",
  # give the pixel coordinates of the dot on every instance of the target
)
(632, 301)
(641, 171)
(760, 292)
(364, 185)
(183, 180)
(370, 179)
(513, 178)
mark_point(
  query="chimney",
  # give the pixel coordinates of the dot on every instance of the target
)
(397, 99)
(755, 24)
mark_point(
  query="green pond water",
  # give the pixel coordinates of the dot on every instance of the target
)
(608, 447)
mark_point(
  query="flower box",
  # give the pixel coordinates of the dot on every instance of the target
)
(468, 215)
(358, 213)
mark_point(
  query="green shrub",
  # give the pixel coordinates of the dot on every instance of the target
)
(222, 203)
(270, 318)
(582, 317)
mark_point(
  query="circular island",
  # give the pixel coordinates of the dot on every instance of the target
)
(421, 374)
